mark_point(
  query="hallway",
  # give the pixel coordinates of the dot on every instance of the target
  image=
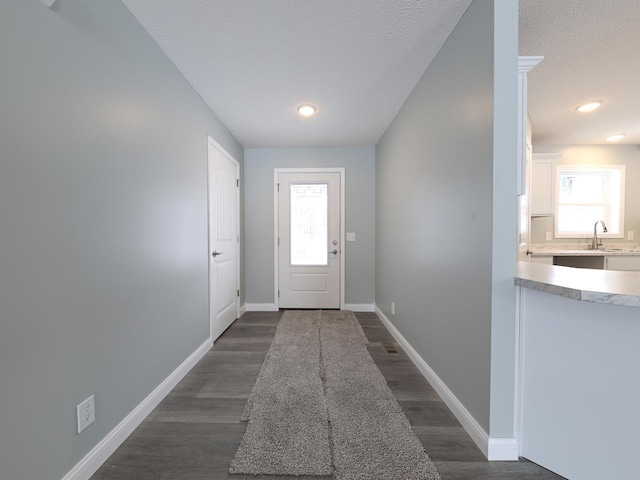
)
(195, 431)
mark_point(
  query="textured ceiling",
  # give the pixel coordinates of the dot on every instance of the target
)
(255, 61)
(592, 52)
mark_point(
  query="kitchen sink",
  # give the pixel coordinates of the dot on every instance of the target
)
(593, 261)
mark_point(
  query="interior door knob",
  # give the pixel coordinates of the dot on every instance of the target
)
(215, 254)
(335, 252)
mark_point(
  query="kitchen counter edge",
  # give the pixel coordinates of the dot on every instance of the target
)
(589, 285)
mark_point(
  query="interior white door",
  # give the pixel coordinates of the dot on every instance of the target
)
(223, 239)
(309, 250)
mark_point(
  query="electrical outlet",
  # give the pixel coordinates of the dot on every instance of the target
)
(631, 235)
(351, 236)
(547, 236)
(393, 308)
(86, 413)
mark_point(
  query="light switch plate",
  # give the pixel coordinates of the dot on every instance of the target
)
(631, 235)
(351, 236)
(547, 236)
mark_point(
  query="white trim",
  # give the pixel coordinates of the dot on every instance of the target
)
(343, 234)
(501, 449)
(212, 143)
(519, 363)
(527, 63)
(341, 171)
(473, 428)
(243, 309)
(261, 307)
(360, 307)
(276, 229)
(547, 156)
(103, 450)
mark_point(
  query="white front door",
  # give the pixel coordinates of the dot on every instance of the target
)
(223, 239)
(309, 239)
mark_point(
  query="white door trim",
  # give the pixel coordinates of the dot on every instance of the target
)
(212, 143)
(276, 172)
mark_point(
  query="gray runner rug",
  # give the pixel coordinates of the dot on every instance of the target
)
(372, 438)
(369, 434)
(288, 429)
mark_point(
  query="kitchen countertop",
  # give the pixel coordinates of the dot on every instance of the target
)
(601, 286)
(583, 250)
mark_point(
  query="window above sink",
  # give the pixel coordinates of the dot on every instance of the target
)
(586, 194)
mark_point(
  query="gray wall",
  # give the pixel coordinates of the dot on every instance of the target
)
(435, 209)
(628, 155)
(103, 217)
(359, 164)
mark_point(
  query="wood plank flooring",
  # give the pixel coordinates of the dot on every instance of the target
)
(195, 431)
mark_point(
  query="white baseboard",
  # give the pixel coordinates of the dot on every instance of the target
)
(261, 307)
(360, 307)
(101, 452)
(473, 428)
(503, 449)
(243, 309)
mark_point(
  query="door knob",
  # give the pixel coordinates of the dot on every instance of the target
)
(335, 252)
(215, 254)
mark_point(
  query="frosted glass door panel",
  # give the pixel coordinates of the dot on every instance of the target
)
(309, 224)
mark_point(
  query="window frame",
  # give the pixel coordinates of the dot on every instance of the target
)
(588, 233)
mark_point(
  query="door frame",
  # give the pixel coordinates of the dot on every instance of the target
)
(276, 205)
(211, 143)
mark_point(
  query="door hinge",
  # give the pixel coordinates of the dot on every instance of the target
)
(237, 182)
(278, 240)
(238, 292)
(278, 186)
(278, 293)
(238, 238)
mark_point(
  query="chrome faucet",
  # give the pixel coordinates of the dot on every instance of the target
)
(594, 244)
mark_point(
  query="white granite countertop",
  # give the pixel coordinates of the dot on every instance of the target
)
(583, 250)
(601, 286)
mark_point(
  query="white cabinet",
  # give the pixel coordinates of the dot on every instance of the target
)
(624, 262)
(543, 188)
(524, 218)
(525, 64)
(523, 158)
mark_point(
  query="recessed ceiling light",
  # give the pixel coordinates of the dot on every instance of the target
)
(616, 137)
(587, 107)
(306, 110)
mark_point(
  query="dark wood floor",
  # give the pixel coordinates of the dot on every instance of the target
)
(195, 431)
